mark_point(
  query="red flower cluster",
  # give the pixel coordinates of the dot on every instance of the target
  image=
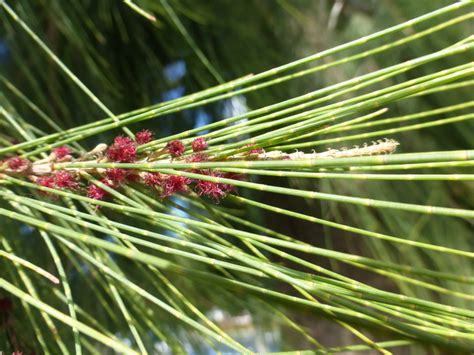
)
(61, 152)
(65, 180)
(199, 144)
(169, 184)
(124, 150)
(216, 190)
(144, 136)
(117, 177)
(61, 179)
(173, 184)
(96, 192)
(46, 181)
(17, 163)
(175, 148)
(152, 179)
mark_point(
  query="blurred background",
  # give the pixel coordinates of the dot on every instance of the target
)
(131, 62)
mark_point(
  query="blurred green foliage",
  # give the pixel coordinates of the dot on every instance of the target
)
(126, 61)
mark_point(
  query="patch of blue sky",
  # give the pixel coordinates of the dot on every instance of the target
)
(125, 339)
(178, 213)
(110, 239)
(73, 273)
(173, 94)
(235, 106)
(175, 71)
(162, 347)
(202, 118)
(25, 229)
(4, 51)
(85, 268)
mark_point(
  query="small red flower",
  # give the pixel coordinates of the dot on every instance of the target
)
(176, 148)
(211, 189)
(121, 140)
(61, 152)
(215, 190)
(96, 192)
(174, 184)
(17, 163)
(152, 179)
(144, 136)
(46, 181)
(65, 180)
(199, 144)
(124, 150)
(117, 176)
